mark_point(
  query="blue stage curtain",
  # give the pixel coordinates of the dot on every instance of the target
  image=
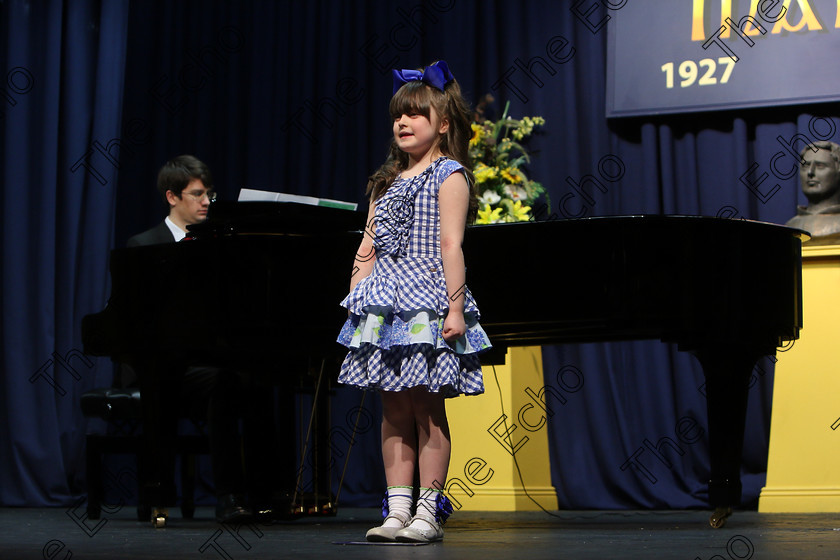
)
(292, 96)
(62, 65)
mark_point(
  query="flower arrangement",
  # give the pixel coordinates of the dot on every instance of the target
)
(505, 193)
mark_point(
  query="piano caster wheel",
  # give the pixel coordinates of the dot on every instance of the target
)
(159, 517)
(718, 518)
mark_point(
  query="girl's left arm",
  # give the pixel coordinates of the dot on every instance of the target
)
(453, 198)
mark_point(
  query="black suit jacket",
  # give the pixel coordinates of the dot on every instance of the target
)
(154, 236)
(158, 234)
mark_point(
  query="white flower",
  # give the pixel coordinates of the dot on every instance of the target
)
(515, 193)
(489, 197)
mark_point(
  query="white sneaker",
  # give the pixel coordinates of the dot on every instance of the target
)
(421, 528)
(386, 534)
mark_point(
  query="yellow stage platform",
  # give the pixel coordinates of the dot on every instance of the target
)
(803, 470)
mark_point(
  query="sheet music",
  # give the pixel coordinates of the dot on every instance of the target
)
(254, 194)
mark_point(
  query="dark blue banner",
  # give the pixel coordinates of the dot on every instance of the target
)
(701, 55)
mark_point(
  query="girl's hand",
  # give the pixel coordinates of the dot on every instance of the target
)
(454, 326)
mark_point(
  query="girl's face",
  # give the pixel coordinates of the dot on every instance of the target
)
(416, 135)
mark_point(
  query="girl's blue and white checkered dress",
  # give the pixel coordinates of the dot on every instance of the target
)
(395, 329)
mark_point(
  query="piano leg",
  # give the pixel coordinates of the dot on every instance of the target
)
(159, 384)
(323, 460)
(727, 370)
(318, 438)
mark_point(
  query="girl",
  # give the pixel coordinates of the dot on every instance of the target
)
(413, 329)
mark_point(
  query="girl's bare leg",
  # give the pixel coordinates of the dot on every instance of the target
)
(433, 436)
(399, 443)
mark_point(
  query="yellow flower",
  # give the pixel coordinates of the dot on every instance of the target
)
(512, 175)
(519, 212)
(487, 216)
(484, 172)
(478, 134)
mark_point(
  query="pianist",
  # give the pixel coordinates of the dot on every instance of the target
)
(186, 186)
(819, 174)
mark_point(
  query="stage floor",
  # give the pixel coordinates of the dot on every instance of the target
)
(55, 533)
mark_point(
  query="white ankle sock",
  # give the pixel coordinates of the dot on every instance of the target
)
(400, 499)
(427, 504)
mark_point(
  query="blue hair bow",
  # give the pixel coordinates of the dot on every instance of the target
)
(436, 75)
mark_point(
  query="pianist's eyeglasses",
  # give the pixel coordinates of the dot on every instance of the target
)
(197, 195)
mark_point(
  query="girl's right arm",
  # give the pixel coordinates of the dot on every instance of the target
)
(366, 255)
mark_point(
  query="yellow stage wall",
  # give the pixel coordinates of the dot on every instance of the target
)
(500, 456)
(803, 470)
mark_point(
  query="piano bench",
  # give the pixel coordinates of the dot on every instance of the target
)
(112, 403)
(121, 408)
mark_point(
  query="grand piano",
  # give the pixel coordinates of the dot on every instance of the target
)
(727, 291)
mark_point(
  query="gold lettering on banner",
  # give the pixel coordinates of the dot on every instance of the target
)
(697, 30)
(781, 12)
(749, 28)
(808, 18)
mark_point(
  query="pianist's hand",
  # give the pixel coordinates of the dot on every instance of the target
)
(454, 326)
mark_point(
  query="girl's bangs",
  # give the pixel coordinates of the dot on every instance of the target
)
(412, 98)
